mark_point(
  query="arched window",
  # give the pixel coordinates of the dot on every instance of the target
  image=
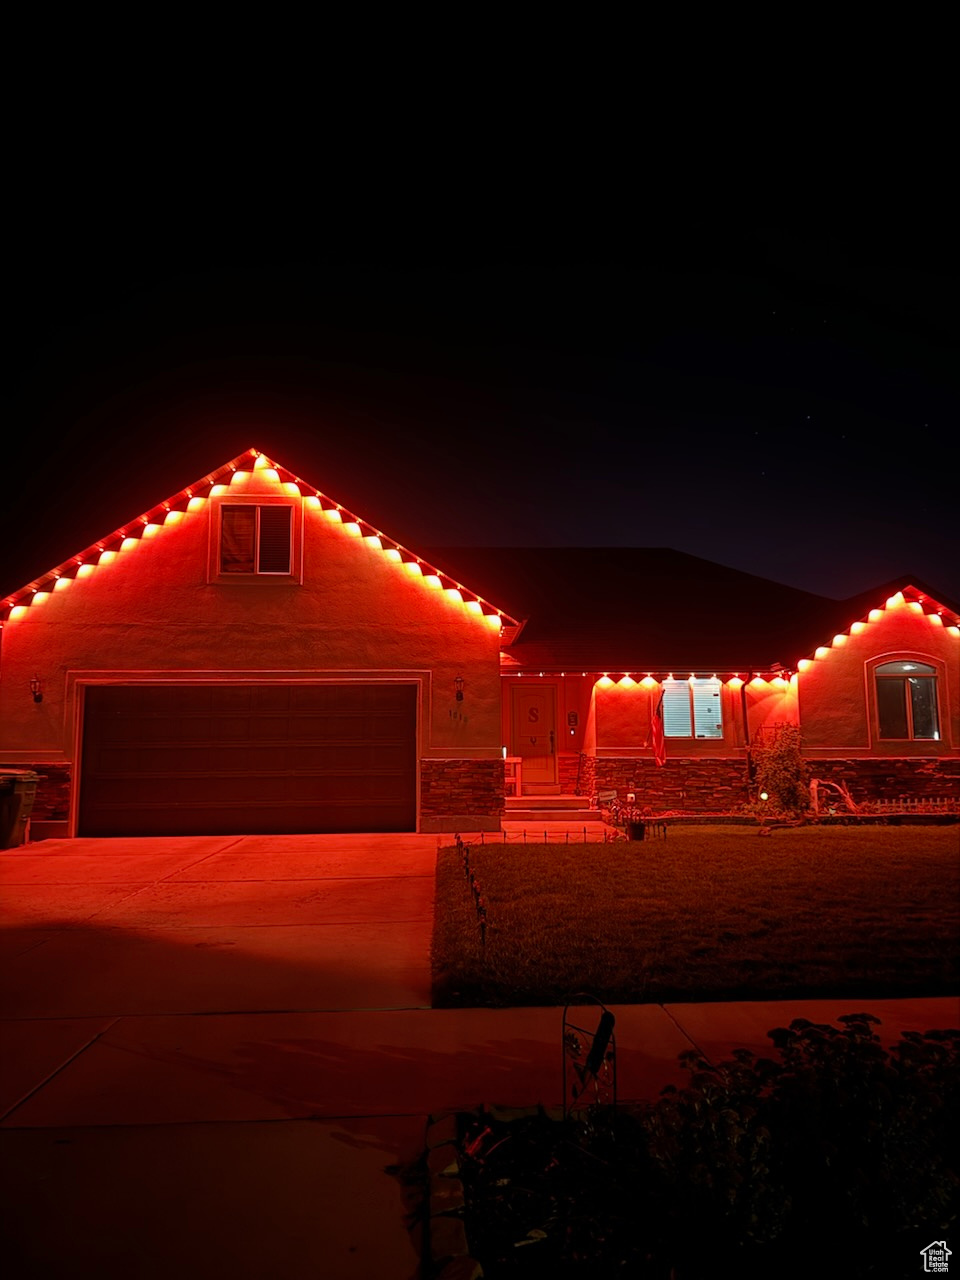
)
(907, 700)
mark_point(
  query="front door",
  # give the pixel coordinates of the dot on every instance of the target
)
(535, 730)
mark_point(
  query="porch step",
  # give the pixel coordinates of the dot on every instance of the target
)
(557, 808)
(537, 817)
(535, 801)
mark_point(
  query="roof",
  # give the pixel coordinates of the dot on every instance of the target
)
(652, 609)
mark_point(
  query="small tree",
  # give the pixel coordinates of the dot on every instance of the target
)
(781, 772)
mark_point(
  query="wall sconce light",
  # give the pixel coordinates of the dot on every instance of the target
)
(36, 688)
(458, 685)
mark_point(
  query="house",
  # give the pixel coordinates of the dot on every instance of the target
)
(248, 656)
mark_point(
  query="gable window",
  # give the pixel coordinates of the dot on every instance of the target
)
(691, 709)
(907, 700)
(256, 539)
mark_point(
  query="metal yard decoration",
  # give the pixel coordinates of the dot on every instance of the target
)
(589, 1059)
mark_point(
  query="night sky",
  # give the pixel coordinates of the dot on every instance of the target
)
(778, 402)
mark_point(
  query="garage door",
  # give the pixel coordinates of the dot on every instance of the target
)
(232, 759)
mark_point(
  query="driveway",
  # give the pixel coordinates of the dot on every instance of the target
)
(216, 925)
(136, 1145)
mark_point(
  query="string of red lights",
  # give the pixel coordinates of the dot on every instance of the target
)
(193, 496)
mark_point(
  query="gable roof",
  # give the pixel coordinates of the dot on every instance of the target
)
(187, 499)
(650, 609)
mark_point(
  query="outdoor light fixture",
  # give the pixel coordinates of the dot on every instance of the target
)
(36, 688)
(458, 684)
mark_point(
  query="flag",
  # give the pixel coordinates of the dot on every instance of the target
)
(656, 733)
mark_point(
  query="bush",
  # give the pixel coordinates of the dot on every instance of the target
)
(839, 1159)
(839, 1140)
(780, 771)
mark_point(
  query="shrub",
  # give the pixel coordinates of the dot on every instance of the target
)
(781, 772)
(839, 1140)
(839, 1159)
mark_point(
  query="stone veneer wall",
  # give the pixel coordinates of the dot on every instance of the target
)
(893, 779)
(689, 784)
(708, 786)
(453, 791)
(475, 787)
(575, 773)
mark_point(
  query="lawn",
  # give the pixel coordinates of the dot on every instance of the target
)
(710, 913)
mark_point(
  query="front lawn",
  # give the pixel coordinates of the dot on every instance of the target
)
(710, 913)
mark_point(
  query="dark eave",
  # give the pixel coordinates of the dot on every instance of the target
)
(652, 609)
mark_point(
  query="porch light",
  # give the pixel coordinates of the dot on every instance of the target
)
(458, 685)
(36, 688)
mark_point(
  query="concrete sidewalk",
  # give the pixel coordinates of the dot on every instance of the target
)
(213, 1048)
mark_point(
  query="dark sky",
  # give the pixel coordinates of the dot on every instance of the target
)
(774, 400)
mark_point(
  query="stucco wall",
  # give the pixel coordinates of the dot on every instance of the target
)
(837, 699)
(622, 714)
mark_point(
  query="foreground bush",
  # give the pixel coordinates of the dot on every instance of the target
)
(839, 1158)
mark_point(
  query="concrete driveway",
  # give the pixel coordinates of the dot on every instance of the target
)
(136, 1146)
(214, 925)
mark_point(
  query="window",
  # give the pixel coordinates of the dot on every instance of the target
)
(256, 539)
(691, 709)
(907, 700)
